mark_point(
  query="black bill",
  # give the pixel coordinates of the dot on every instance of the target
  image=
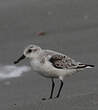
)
(18, 60)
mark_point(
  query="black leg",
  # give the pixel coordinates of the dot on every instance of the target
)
(53, 84)
(51, 95)
(60, 89)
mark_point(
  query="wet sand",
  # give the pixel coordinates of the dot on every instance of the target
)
(71, 27)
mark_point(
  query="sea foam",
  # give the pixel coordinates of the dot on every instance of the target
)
(12, 71)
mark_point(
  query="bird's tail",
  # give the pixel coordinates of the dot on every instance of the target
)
(80, 66)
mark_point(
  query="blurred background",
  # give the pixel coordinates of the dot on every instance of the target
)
(70, 27)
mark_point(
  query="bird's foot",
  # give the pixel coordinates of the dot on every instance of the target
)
(56, 97)
(47, 98)
(44, 99)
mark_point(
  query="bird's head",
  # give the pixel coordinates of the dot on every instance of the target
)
(30, 51)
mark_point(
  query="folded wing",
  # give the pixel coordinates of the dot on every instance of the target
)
(61, 62)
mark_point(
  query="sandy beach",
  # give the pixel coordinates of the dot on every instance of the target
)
(71, 27)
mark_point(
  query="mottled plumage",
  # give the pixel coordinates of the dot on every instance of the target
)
(61, 62)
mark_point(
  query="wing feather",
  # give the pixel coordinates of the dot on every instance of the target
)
(62, 61)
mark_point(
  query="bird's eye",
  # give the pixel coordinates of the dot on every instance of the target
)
(29, 51)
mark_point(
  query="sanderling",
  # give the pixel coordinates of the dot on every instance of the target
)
(51, 64)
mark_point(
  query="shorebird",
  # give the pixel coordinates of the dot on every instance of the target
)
(51, 64)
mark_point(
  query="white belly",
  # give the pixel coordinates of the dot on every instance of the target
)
(47, 70)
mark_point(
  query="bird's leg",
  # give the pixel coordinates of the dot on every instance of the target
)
(53, 85)
(60, 89)
(51, 95)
